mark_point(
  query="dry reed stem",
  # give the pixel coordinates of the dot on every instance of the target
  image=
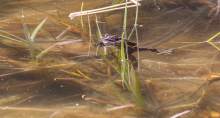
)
(25, 100)
(188, 78)
(73, 28)
(171, 101)
(165, 63)
(3, 75)
(101, 8)
(122, 107)
(6, 83)
(115, 81)
(56, 44)
(17, 23)
(213, 9)
(102, 101)
(104, 9)
(70, 37)
(62, 33)
(80, 82)
(180, 114)
(96, 68)
(216, 13)
(15, 63)
(41, 13)
(73, 112)
(10, 99)
(67, 97)
(22, 84)
(186, 105)
(28, 2)
(90, 35)
(135, 2)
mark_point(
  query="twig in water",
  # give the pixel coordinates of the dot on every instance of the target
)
(180, 114)
(104, 9)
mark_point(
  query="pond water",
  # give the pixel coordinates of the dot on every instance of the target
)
(69, 65)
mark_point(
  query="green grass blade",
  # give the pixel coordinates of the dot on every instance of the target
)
(84, 75)
(136, 88)
(135, 25)
(125, 20)
(213, 45)
(114, 88)
(131, 33)
(72, 73)
(51, 47)
(13, 35)
(121, 1)
(27, 35)
(113, 2)
(17, 41)
(123, 60)
(114, 56)
(79, 75)
(109, 61)
(100, 34)
(90, 32)
(81, 16)
(45, 51)
(37, 29)
(213, 37)
(12, 42)
(28, 38)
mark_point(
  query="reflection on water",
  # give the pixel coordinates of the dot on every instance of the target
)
(53, 87)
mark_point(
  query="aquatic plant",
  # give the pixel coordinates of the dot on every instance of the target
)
(121, 65)
(30, 38)
(124, 68)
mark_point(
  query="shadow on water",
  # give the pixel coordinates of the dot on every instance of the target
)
(185, 81)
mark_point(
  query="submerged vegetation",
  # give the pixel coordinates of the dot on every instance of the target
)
(66, 69)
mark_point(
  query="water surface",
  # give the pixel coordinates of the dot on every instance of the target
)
(170, 84)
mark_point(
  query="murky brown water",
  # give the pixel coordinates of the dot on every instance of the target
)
(170, 84)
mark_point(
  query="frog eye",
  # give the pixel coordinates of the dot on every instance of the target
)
(116, 38)
(106, 35)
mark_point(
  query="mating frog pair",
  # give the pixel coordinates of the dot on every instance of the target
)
(131, 46)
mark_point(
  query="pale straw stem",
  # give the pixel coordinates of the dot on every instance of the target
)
(103, 8)
(72, 15)
(135, 2)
